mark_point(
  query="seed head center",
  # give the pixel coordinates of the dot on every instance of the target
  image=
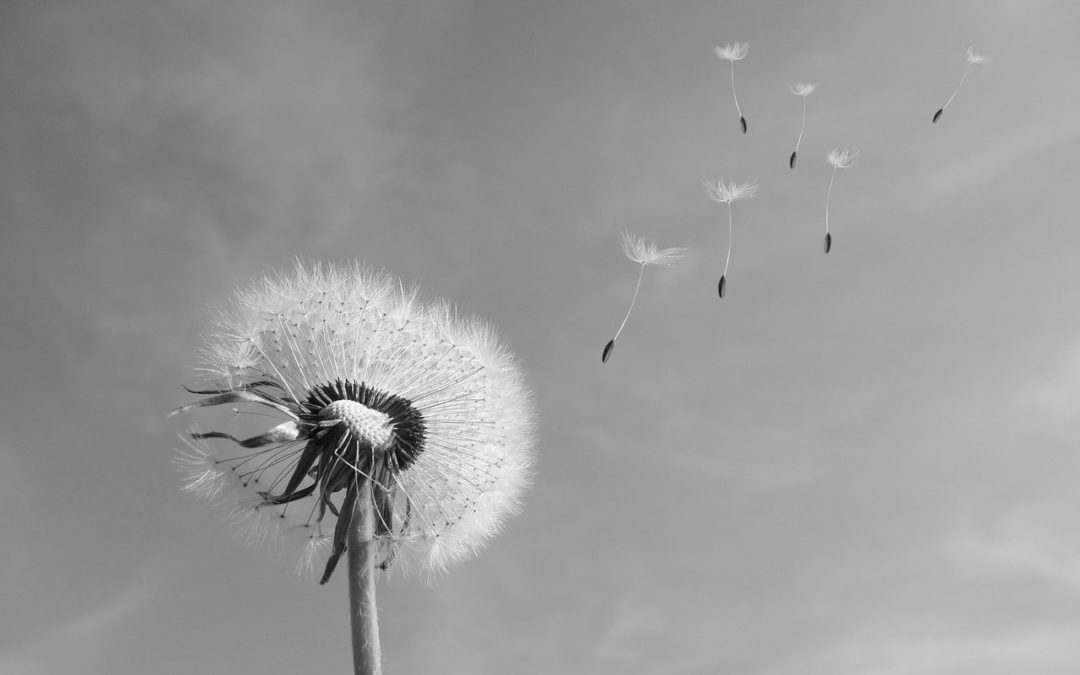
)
(365, 424)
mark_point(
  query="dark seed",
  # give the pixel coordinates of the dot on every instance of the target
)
(937, 116)
(607, 351)
(721, 286)
(791, 162)
(828, 242)
(742, 121)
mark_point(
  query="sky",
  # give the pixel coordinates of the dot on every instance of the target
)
(863, 463)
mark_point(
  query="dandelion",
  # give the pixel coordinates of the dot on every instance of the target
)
(734, 52)
(726, 193)
(803, 90)
(402, 432)
(973, 59)
(644, 253)
(840, 158)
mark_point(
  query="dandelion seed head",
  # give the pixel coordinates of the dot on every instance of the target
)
(645, 252)
(841, 157)
(804, 88)
(726, 192)
(368, 383)
(733, 51)
(975, 59)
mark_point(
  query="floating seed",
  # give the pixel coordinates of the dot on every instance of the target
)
(607, 351)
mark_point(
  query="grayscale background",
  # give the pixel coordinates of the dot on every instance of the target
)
(861, 463)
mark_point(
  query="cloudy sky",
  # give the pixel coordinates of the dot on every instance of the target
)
(861, 463)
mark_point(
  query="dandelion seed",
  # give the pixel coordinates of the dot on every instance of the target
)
(973, 59)
(976, 59)
(644, 253)
(734, 52)
(725, 193)
(803, 90)
(403, 432)
(840, 158)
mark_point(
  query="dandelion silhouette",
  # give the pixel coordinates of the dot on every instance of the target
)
(973, 59)
(803, 90)
(840, 158)
(644, 253)
(734, 52)
(403, 434)
(726, 193)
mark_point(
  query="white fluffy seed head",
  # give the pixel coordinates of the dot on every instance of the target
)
(329, 324)
(725, 192)
(841, 157)
(733, 51)
(975, 58)
(645, 252)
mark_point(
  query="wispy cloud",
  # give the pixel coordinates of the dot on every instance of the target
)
(996, 157)
(1041, 650)
(632, 620)
(1023, 542)
(1056, 393)
(76, 645)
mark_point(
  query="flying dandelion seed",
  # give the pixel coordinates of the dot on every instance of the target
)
(403, 432)
(644, 253)
(973, 59)
(735, 52)
(726, 193)
(840, 158)
(803, 90)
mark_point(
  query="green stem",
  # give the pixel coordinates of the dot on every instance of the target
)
(364, 613)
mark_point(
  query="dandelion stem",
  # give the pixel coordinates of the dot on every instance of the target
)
(801, 126)
(736, 97)
(363, 611)
(957, 90)
(730, 239)
(828, 197)
(627, 317)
